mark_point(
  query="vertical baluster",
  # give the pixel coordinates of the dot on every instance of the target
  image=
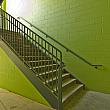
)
(26, 39)
(38, 57)
(14, 34)
(7, 21)
(15, 31)
(33, 54)
(6, 24)
(2, 23)
(48, 63)
(9, 24)
(24, 42)
(46, 66)
(30, 45)
(52, 83)
(56, 68)
(60, 107)
(17, 48)
(13, 37)
(41, 69)
(18, 39)
(28, 34)
(21, 41)
(10, 36)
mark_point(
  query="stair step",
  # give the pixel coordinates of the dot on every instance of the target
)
(43, 66)
(41, 62)
(66, 83)
(48, 75)
(51, 80)
(30, 49)
(18, 42)
(38, 61)
(32, 57)
(72, 92)
(48, 72)
(30, 52)
(13, 39)
(19, 38)
(25, 47)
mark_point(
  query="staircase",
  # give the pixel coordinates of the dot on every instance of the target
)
(42, 59)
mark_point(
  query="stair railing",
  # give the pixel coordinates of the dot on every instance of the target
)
(29, 45)
(67, 49)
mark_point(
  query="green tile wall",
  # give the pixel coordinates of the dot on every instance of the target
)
(4, 5)
(12, 79)
(84, 27)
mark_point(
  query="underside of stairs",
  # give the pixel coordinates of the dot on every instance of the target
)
(40, 63)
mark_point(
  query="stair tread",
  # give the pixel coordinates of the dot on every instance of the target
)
(43, 66)
(47, 72)
(50, 80)
(65, 83)
(35, 56)
(65, 97)
(38, 61)
(68, 82)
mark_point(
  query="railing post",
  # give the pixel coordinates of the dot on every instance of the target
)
(2, 21)
(60, 105)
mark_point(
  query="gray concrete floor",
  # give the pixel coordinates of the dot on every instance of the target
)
(90, 100)
(87, 100)
(11, 101)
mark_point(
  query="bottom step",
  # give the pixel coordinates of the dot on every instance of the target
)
(72, 92)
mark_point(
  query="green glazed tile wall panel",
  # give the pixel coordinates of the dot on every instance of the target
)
(4, 5)
(12, 79)
(84, 27)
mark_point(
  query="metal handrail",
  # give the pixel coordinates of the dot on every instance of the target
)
(67, 49)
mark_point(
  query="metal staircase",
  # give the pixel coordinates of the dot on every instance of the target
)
(42, 59)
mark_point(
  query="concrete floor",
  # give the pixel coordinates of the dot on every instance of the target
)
(90, 101)
(87, 100)
(11, 101)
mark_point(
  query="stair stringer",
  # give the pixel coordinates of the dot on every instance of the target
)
(31, 76)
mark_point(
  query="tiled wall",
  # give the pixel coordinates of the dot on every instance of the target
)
(84, 27)
(12, 79)
(81, 24)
